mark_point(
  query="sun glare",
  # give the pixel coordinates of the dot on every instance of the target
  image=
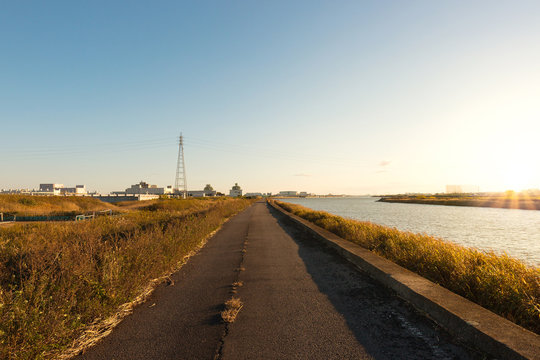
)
(519, 176)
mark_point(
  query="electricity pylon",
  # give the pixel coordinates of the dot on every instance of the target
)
(180, 184)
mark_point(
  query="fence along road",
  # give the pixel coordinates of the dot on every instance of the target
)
(299, 301)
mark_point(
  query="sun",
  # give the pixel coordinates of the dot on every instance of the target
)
(519, 175)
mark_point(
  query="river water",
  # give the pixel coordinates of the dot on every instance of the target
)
(516, 232)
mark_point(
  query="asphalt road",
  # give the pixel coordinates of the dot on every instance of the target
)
(300, 301)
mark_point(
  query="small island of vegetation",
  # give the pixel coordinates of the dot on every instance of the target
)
(526, 200)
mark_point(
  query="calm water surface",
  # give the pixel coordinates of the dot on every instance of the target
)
(516, 232)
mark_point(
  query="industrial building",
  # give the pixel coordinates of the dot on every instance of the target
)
(60, 189)
(17, 191)
(235, 191)
(77, 190)
(114, 198)
(136, 192)
(207, 191)
(288, 193)
(143, 188)
(49, 189)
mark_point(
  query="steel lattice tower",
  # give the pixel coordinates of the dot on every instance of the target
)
(180, 184)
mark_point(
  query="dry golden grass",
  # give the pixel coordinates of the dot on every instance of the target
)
(502, 284)
(58, 280)
(27, 205)
(235, 285)
(232, 308)
(511, 202)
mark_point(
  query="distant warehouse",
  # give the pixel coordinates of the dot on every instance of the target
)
(288, 193)
(59, 189)
(50, 189)
(207, 191)
(147, 189)
(137, 192)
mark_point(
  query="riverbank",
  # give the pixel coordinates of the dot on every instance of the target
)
(58, 280)
(27, 205)
(501, 284)
(513, 202)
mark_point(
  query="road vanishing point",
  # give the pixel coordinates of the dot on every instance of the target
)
(300, 301)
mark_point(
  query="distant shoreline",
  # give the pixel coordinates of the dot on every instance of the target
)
(492, 202)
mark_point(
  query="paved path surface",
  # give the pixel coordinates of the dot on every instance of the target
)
(301, 301)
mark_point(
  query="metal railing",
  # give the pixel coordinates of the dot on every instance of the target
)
(94, 214)
(5, 218)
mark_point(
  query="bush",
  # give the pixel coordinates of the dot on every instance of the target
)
(27, 201)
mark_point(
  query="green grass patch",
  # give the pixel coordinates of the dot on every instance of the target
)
(58, 278)
(500, 283)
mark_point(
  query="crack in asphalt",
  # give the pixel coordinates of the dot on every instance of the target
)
(219, 350)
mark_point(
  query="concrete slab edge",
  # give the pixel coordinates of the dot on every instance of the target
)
(468, 322)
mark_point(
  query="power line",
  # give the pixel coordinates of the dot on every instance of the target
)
(250, 151)
(88, 149)
(240, 149)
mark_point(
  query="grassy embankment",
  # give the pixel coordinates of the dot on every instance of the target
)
(57, 280)
(499, 283)
(511, 201)
(26, 205)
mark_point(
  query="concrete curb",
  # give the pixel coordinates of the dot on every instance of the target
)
(468, 322)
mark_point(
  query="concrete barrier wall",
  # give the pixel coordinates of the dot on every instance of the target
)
(468, 322)
(120, 198)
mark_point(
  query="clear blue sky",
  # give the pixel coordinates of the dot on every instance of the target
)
(321, 96)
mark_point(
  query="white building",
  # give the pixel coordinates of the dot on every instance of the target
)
(121, 196)
(288, 193)
(207, 191)
(144, 188)
(17, 191)
(60, 189)
(235, 191)
(51, 189)
(77, 190)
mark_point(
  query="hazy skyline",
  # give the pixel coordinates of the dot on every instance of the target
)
(342, 97)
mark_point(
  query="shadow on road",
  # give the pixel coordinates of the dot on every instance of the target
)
(386, 326)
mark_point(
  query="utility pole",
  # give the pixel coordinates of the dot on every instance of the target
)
(180, 183)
